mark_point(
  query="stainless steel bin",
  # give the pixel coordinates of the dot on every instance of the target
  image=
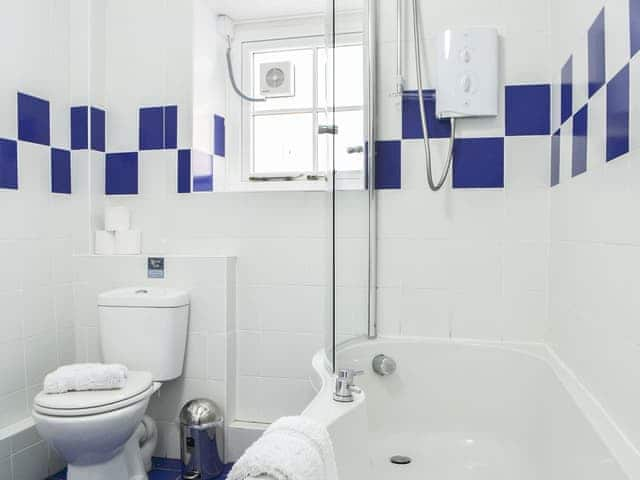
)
(199, 421)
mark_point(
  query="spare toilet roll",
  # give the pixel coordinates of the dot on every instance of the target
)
(105, 243)
(128, 242)
(116, 219)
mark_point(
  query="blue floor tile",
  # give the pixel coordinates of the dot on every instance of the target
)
(162, 469)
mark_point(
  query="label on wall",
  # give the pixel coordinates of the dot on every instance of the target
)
(155, 267)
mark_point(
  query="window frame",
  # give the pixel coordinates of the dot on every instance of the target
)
(346, 179)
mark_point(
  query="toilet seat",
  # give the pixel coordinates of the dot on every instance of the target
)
(75, 404)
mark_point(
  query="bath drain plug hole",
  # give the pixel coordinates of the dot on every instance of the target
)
(400, 460)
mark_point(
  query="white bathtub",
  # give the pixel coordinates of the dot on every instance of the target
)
(469, 410)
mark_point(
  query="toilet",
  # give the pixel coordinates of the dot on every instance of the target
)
(105, 435)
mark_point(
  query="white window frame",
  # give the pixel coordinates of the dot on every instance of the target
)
(282, 32)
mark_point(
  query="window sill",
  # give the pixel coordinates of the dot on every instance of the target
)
(342, 184)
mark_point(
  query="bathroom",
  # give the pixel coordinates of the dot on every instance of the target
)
(263, 169)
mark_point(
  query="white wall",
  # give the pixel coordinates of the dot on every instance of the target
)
(466, 263)
(38, 230)
(594, 234)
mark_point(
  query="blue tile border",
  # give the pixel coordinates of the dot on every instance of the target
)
(618, 114)
(579, 149)
(566, 91)
(171, 126)
(184, 171)
(219, 136)
(98, 129)
(60, 171)
(121, 173)
(411, 121)
(151, 128)
(527, 109)
(8, 164)
(478, 163)
(34, 123)
(388, 174)
(79, 127)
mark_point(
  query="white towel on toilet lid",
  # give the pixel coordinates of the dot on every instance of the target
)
(292, 448)
(85, 377)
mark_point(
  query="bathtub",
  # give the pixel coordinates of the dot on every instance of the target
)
(468, 410)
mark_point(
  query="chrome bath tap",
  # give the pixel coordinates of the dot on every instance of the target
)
(345, 385)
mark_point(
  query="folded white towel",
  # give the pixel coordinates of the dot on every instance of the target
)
(86, 376)
(292, 448)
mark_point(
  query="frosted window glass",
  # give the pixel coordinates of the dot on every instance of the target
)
(283, 143)
(303, 74)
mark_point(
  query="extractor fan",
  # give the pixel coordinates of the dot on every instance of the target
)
(277, 79)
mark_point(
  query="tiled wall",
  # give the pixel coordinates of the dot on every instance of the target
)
(466, 262)
(44, 207)
(471, 260)
(209, 364)
(595, 161)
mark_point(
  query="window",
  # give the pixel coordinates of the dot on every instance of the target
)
(280, 135)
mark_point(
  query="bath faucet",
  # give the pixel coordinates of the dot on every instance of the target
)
(344, 385)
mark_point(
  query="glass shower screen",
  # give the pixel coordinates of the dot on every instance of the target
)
(346, 118)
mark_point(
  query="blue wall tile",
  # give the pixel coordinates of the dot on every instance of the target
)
(60, 171)
(121, 175)
(171, 126)
(634, 27)
(579, 151)
(219, 136)
(597, 64)
(202, 166)
(184, 171)
(478, 163)
(411, 123)
(528, 110)
(388, 165)
(566, 91)
(33, 119)
(8, 164)
(98, 129)
(79, 128)
(618, 114)
(555, 159)
(151, 127)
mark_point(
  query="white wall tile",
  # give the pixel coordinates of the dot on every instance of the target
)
(617, 37)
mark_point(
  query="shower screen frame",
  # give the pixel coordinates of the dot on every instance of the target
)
(369, 326)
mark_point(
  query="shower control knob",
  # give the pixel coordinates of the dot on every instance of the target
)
(383, 365)
(465, 56)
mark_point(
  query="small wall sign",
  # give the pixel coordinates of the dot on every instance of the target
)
(155, 267)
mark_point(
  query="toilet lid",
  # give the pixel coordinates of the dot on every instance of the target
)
(137, 383)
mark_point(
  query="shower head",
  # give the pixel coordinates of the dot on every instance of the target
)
(225, 27)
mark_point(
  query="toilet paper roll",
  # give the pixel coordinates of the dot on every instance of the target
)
(117, 219)
(128, 242)
(105, 243)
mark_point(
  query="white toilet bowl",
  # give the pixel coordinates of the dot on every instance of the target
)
(93, 431)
